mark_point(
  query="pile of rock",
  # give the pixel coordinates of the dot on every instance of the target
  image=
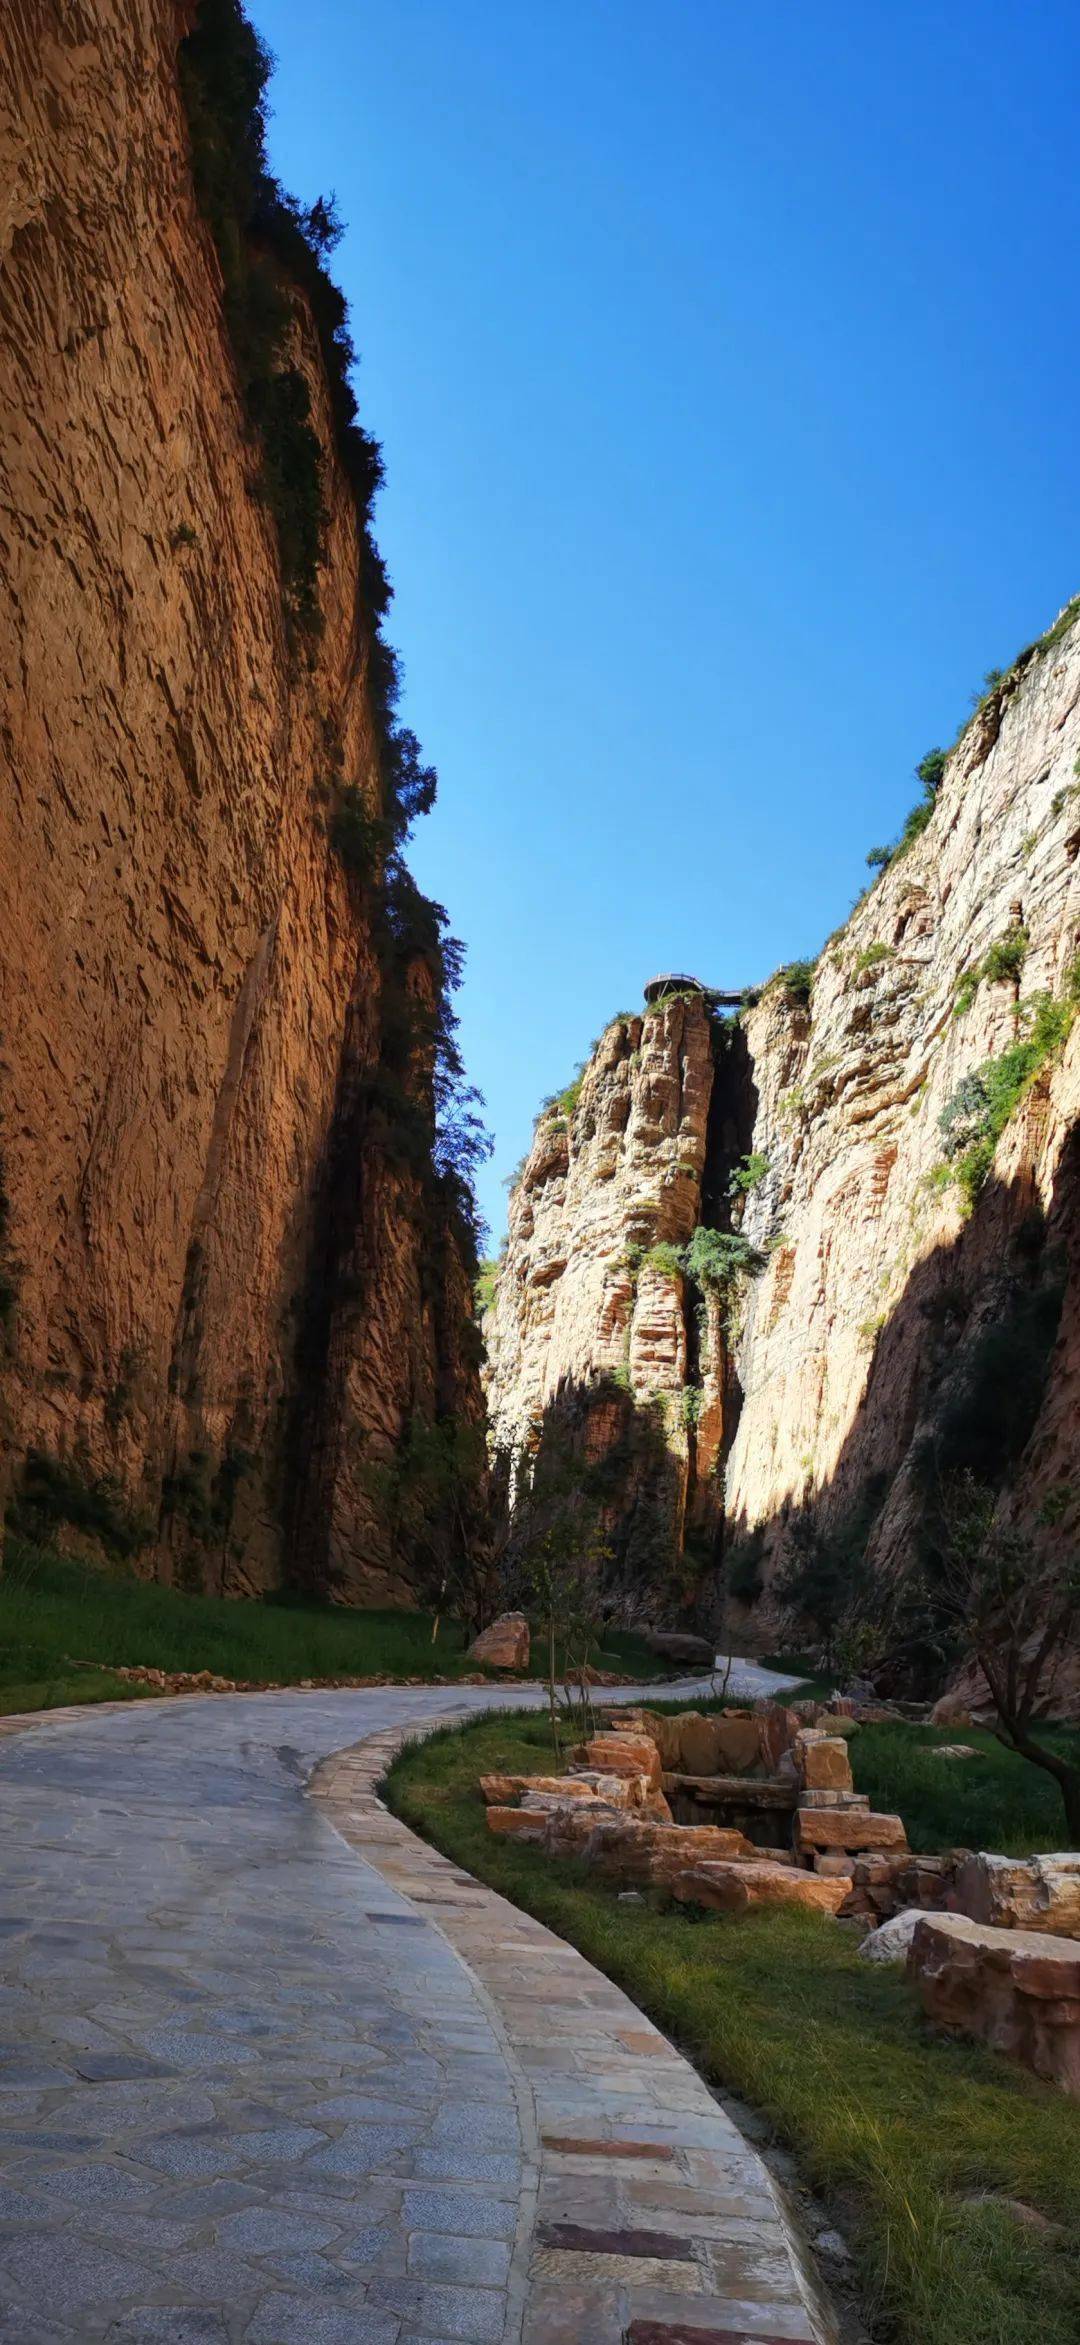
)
(989, 1940)
(613, 1807)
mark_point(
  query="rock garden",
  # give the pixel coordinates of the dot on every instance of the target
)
(867, 1937)
(992, 1942)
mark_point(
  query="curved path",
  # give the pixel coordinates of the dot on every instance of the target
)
(258, 2088)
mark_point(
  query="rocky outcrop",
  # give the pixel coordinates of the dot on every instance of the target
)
(235, 1288)
(1016, 1990)
(594, 1331)
(908, 1254)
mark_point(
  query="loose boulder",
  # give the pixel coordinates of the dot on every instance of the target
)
(625, 1754)
(736, 1887)
(505, 1645)
(1021, 1892)
(822, 1760)
(848, 1827)
(891, 1941)
(677, 1645)
(1016, 1990)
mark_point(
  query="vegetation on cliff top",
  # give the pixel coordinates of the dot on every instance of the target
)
(273, 250)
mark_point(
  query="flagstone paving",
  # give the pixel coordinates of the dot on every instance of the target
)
(274, 2073)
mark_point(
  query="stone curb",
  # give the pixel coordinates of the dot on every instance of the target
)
(646, 2219)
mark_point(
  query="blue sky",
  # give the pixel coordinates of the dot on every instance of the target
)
(725, 361)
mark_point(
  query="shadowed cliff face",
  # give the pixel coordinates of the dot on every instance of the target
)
(596, 1327)
(234, 1291)
(799, 1388)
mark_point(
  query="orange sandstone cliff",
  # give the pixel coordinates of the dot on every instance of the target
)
(234, 1280)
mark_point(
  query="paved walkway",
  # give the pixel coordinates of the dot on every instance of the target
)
(259, 2088)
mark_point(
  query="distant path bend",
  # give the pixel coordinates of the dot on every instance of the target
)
(267, 2082)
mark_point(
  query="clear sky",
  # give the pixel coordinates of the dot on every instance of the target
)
(725, 360)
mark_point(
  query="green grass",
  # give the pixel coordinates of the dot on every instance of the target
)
(902, 2127)
(994, 1800)
(54, 1610)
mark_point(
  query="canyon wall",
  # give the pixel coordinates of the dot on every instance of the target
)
(873, 1287)
(230, 1291)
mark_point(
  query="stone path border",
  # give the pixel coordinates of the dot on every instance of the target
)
(646, 2219)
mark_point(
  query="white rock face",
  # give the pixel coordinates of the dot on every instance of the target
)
(582, 1320)
(816, 1389)
(833, 1357)
(890, 1943)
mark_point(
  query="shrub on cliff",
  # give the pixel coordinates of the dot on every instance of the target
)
(973, 1120)
(929, 772)
(716, 1258)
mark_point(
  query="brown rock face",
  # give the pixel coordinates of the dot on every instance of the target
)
(234, 1298)
(594, 1334)
(737, 1888)
(822, 1762)
(505, 1645)
(1017, 1990)
(625, 1754)
(715, 1746)
(853, 1828)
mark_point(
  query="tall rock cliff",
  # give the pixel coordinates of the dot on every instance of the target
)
(828, 1251)
(233, 1273)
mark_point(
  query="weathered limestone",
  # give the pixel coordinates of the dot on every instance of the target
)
(517, 1823)
(841, 1098)
(500, 1791)
(625, 1754)
(1017, 1990)
(891, 1941)
(1021, 1893)
(853, 1828)
(821, 1760)
(505, 1645)
(733, 1888)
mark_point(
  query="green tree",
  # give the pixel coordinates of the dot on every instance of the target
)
(1016, 1612)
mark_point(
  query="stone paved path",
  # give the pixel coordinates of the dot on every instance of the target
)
(258, 2088)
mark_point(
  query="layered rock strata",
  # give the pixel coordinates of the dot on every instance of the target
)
(228, 1299)
(799, 1401)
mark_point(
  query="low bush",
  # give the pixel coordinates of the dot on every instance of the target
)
(1001, 964)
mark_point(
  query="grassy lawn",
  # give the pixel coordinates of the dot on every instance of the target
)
(920, 2140)
(54, 1610)
(993, 1800)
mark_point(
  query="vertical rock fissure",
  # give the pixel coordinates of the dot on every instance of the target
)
(711, 1356)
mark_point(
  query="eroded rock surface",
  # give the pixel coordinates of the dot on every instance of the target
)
(1018, 1990)
(801, 1399)
(232, 1298)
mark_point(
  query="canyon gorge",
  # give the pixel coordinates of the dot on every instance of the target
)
(777, 1274)
(775, 1271)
